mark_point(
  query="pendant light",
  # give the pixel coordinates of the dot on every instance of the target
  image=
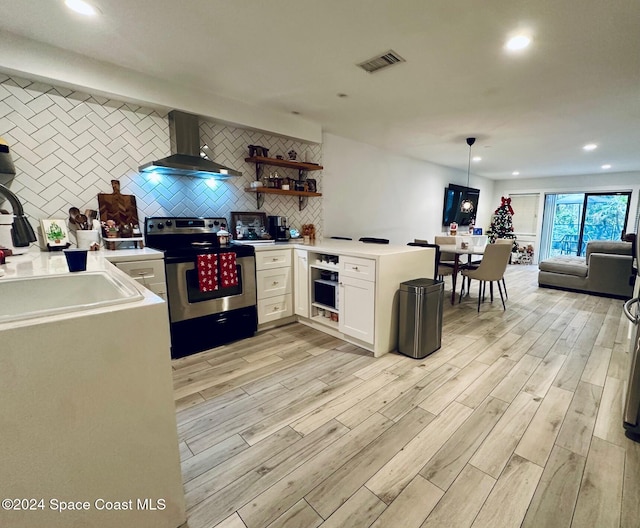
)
(467, 205)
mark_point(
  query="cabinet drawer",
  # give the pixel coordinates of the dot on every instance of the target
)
(149, 273)
(159, 288)
(270, 259)
(273, 282)
(275, 308)
(358, 268)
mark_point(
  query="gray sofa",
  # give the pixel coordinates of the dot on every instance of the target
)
(605, 270)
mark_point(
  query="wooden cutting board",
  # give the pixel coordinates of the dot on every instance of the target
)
(121, 208)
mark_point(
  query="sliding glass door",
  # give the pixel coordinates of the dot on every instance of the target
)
(571, 220)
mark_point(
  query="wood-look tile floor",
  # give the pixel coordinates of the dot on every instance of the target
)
(515, 421)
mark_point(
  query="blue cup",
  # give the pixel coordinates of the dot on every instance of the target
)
(76, 259)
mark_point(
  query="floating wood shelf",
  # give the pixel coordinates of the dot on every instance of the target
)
(269, 190)
(298, 165)
(302, 195)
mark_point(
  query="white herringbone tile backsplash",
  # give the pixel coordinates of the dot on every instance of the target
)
(67, 146)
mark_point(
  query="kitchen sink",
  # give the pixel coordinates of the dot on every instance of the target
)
(38, 296)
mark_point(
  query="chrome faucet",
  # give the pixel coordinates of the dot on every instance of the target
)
(22, 233)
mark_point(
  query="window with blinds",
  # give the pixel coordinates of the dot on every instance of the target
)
(525, 208)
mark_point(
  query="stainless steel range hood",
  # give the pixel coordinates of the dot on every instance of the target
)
(186, 158)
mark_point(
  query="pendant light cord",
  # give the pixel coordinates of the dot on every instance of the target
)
(470, 142)
(469, 166)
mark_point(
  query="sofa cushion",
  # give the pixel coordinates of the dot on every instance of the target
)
(568, 265)
(612, 247)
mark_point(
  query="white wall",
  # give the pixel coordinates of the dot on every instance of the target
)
(605, 182)
(372, 192)
(34, 60)
(67, 146)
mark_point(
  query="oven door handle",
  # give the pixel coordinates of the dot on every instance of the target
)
(180, 259)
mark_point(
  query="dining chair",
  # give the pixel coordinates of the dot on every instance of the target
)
(372, 240)
(491, 269)
(446, 259)
(510, 242)
(439, 271)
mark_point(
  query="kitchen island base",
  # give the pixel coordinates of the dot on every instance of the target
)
(350, 289)
(87, 420)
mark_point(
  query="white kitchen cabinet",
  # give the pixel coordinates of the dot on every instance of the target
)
(301, 281)
(274, 282)
(358, 268)
(353, 313)
(367, 278)
(273, 258)
(274, 308)
(357, 308)
(274, 285)
(149, 273)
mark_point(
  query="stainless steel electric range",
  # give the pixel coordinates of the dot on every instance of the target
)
(203, 319)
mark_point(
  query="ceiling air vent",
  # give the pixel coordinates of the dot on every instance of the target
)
(389, 58)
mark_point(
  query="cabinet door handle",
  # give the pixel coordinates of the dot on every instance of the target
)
(274, 259)
(276, 308)
(275, 283)
(142, 272)
(354, 268)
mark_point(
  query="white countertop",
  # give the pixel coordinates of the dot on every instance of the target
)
(342, 247)
(36, 262)
(129, 255)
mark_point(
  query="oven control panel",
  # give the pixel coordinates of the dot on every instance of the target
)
(160, 225)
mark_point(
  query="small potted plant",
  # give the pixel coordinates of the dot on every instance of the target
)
(110, 229)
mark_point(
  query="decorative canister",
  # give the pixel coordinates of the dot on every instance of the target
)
(223, 238)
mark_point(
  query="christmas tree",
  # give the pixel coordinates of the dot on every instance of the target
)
(55, 232)
(502, 223)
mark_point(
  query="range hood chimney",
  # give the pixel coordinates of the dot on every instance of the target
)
(185, 159)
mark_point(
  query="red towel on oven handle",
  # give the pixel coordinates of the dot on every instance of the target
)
(228, 270)
(207, 272)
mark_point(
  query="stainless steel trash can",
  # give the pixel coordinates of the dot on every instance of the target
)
(420, 318)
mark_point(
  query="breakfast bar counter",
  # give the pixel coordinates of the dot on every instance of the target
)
(343, 247)
(87, 409)
(345, 288)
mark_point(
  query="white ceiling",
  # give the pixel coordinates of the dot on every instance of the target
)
(579, 82)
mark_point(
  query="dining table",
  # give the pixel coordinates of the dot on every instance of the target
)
(458, 250)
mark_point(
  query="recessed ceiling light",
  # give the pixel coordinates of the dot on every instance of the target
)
(517, 43)
(515, 173)
(476, 158)
(605, 166)
(82, 7)
(590, 146)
